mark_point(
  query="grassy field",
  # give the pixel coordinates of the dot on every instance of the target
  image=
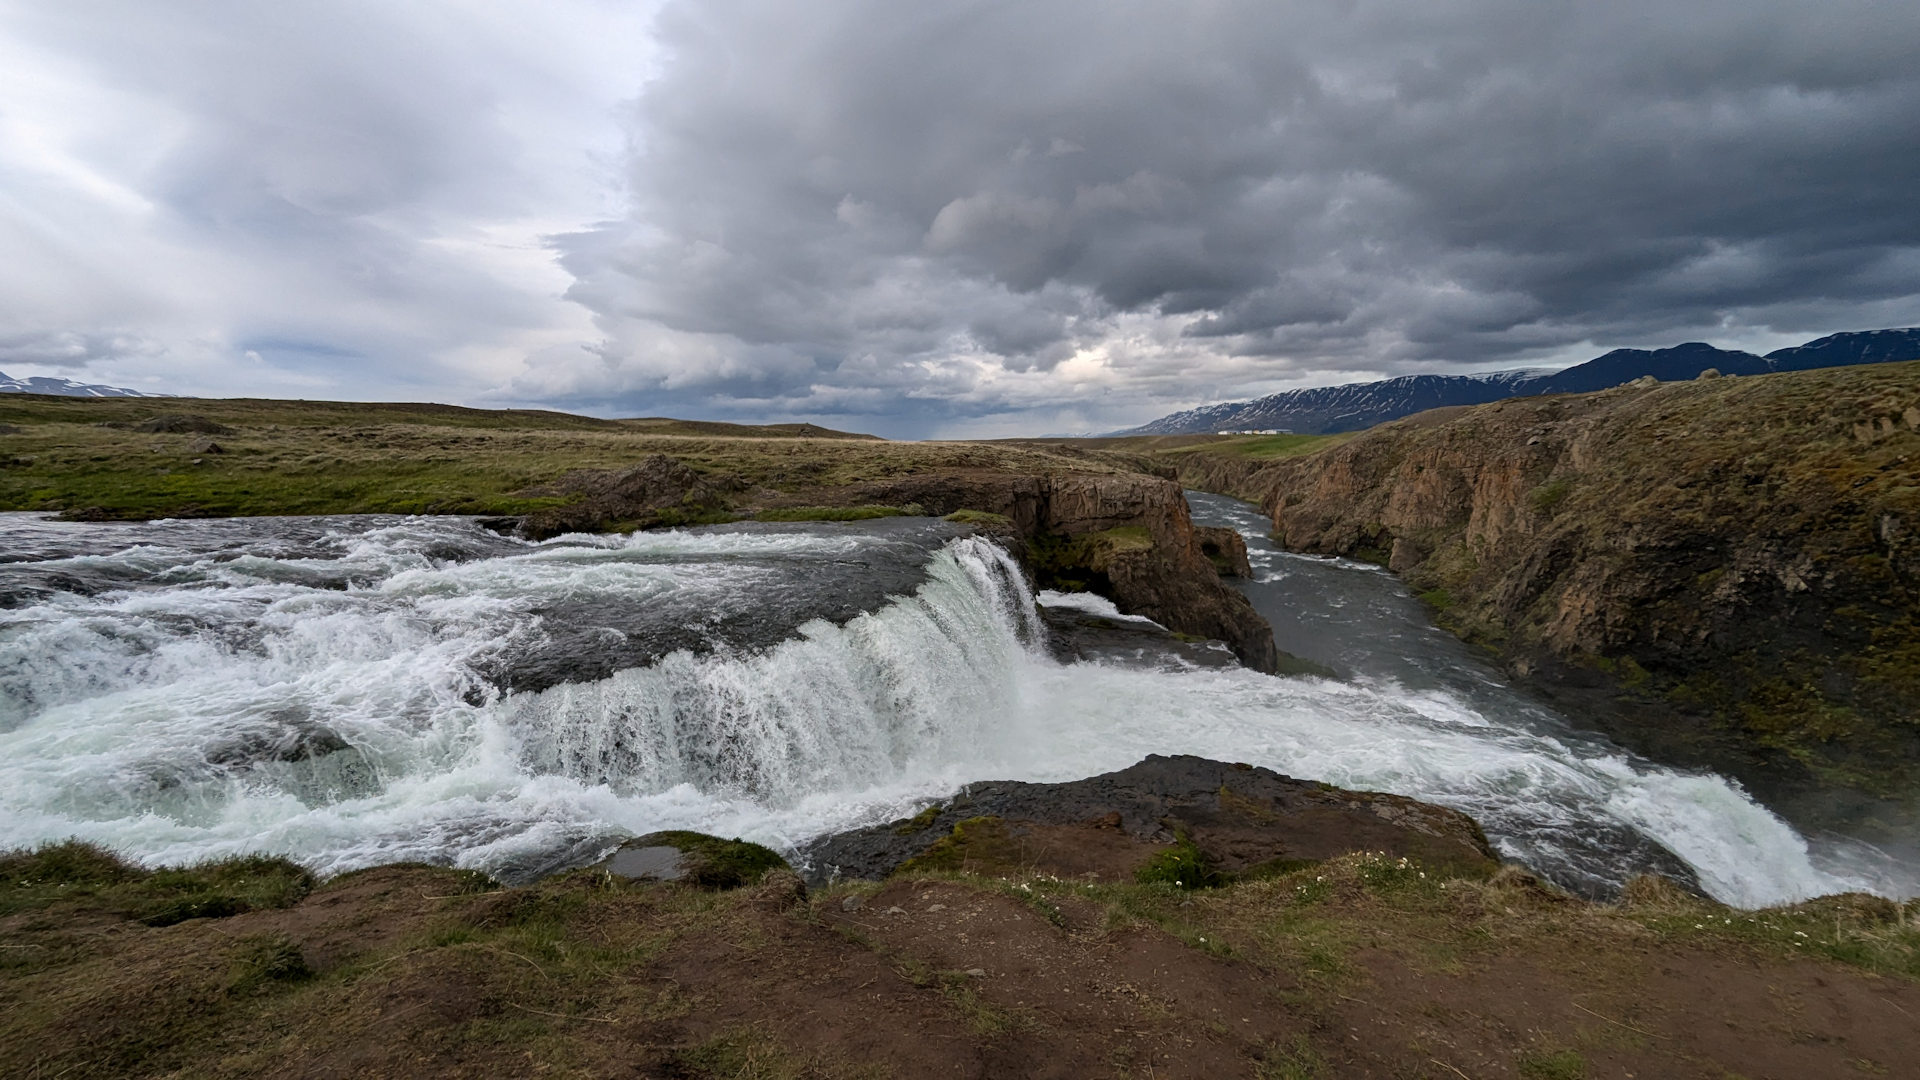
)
(418, 971)
(90, 456)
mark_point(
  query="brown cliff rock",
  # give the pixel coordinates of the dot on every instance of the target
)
(1128, 535)
(1724, 572)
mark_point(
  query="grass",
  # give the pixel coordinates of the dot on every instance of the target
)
(714, 863)
(74, 870)
(284, 457)
(1183, 866)
(1552, 1064)
(573, 975)
(978, 517)
(1260, 447)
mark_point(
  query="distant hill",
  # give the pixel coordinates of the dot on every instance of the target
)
(1356, 406)
(65, 388)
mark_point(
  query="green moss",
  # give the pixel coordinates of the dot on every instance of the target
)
(1437, 599)
(1079, 563)
(919, 822)
(979, 517)
(714, 863)
(978, 844)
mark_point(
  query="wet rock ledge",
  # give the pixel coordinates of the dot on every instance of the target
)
(1168, 816)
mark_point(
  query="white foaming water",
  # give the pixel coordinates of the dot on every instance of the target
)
(1091, 604)
(332, 708)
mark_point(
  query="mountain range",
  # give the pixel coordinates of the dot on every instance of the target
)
(65, 388)
(1355, 406)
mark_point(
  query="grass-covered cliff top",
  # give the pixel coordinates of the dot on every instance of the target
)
(1359, 966)
(292, 457)
(1739, 557)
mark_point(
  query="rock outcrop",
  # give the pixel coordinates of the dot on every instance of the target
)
(1126, 536)
(1231, 820)
(1724, 572)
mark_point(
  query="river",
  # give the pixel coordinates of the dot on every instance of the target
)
(352, 691)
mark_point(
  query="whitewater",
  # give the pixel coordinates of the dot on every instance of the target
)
(353, 691)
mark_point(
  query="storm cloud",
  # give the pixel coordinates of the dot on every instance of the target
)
(954, 210)
(971, 218)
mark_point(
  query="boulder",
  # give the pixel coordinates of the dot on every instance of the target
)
(1240, 820)
(697, 859)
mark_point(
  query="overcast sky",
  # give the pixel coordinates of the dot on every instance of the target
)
(936, 218)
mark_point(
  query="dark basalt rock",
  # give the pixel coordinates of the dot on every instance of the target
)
(1077, 636)
(1239, 817)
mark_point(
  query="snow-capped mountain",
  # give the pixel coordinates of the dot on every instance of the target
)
(1327, 409)
(65, 388)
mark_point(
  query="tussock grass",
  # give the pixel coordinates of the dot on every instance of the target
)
(78, 872)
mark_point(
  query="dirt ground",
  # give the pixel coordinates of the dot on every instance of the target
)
(1359, 967)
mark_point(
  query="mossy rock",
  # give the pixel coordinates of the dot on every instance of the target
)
(979, 517)
(980, 845)
(919, 822)
(707, 862)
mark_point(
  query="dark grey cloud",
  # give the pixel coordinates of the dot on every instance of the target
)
(933, 215)
(935, 218)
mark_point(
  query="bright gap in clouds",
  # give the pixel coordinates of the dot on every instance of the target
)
(304, 199)
(958, 218)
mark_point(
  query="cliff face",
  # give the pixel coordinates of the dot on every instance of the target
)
(1726, 571)
(1127, 536)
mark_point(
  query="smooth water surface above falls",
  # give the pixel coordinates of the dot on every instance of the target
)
(351, 691)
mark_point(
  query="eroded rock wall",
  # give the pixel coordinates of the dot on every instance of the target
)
(1146, 551)
(1727, 571)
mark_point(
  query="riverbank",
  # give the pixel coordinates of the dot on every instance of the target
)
(1718, 573)
(1362, 965)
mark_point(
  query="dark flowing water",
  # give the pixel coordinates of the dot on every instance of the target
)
(1362, 622)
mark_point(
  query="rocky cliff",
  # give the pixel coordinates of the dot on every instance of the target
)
(1127, 536)
(1723, 571)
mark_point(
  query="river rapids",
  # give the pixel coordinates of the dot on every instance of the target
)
(360, 690)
